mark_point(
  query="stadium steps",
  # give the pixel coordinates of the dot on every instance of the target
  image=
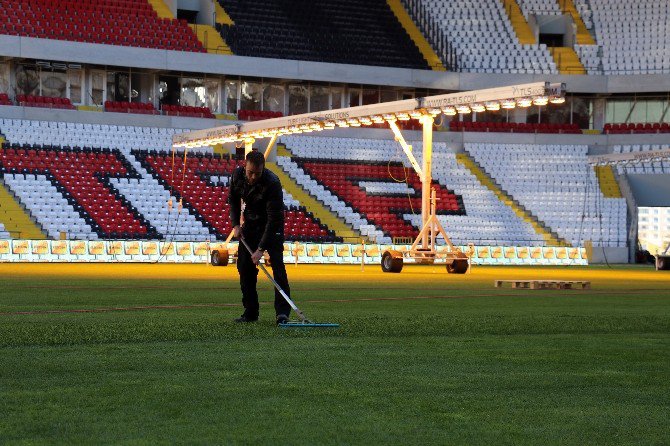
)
(567, 60)
(15, 218)
(551, 238)
(414, 33)
(519, 23)
(584, 37)
(315, 207)
(607, 182)
(211, 39)
(161, 9)
(222, 17)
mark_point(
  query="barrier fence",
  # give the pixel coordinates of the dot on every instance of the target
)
(152, 251)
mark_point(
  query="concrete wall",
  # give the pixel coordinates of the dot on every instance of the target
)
(109, 55)
(650, 190)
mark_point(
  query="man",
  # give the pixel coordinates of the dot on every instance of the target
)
(263, 230)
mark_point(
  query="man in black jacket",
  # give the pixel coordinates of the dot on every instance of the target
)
(263, 230)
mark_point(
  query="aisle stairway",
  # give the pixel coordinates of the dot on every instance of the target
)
(519, 23)
(15, 219)
(567, 60)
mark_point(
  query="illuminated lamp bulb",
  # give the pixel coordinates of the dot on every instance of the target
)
(541, 100)
(493, 106)
(508, 103)
(390, 118)
(557, 100)
(402, 116)
(365, 121)
(478, 108)
(316, 126)
(342, 123)
(463, 109)
(524, 102)
(434, 111)
(449, 111)
(353, 122)
(415, 114)
(377, 119)
(329, 125)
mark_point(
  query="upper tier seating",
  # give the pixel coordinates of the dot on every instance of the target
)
(187, 110)
(634, 36)
(4, 99)
(485, 42)
(339, 31)
(257, 115)
(556, 184)
(353, 178)
(44, 101)
(514, 127)
(92, 193)
(644, 167)
(130, 107)
(656, 127)
(539, 7)
(113, 22)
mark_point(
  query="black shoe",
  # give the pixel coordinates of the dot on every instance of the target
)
(282, 319)
(243, 319)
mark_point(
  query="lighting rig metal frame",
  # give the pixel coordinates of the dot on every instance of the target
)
(425, 109)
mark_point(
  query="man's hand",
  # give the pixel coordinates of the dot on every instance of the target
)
(256, 256)
(236, 232)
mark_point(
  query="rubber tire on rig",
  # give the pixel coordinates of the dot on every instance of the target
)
(458, 266)
(219, 258)
(391, 263)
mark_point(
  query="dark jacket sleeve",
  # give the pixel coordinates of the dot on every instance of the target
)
(235, 198)
(275, 210)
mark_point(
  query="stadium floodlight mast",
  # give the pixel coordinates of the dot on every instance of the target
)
(425, 109)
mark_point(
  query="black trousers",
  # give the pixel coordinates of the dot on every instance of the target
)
(249, 274)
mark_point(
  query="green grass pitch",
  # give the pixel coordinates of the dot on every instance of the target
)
(148, 354)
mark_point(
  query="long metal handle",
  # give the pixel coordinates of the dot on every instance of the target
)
(274, 282)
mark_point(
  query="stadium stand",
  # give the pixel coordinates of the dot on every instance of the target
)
(482, 36)
(44, 101)
(513, 127)
(92, 181)
(544, 7)
(4, 99)
(340, 31)
(187, 110)
(256, 115)
(349, 174)
(639, 127)
(556, 183)
(130, 107)
(112, 22)
(3, 233)
(634, 37)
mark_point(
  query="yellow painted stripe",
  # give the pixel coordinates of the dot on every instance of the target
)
(315, 207)
(161, 9)
(211, 39)
(584, 37)
(14, 217)
(607, 182)
(567, 60)
(222, 16)
(519, 23)
(92, 108)
(419, 40)
(487, 181)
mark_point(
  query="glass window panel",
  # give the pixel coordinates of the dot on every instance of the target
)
(581, 111)
(4, 78)
(192, 92)
(389, 95)
(118, 86)
(27, 80)
(655, 108)
(297, 99)
(319, 98)
(75, 86)
(370, 96)
(212, 94)
(250, 96)
(639, 112)
(354, 97)
(274, 98)
(97, 87)
(53, 84)
(231, 95)
(336, 97)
